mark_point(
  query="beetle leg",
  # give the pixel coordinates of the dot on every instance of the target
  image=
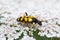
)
(23, 23)
(26, 13)
(31, 28)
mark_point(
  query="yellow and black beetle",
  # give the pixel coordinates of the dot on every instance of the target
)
(29, 19)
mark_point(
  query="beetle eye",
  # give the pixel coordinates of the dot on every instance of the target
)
(18, 19)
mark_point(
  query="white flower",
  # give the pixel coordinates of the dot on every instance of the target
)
(58, 35)
(28, 38)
